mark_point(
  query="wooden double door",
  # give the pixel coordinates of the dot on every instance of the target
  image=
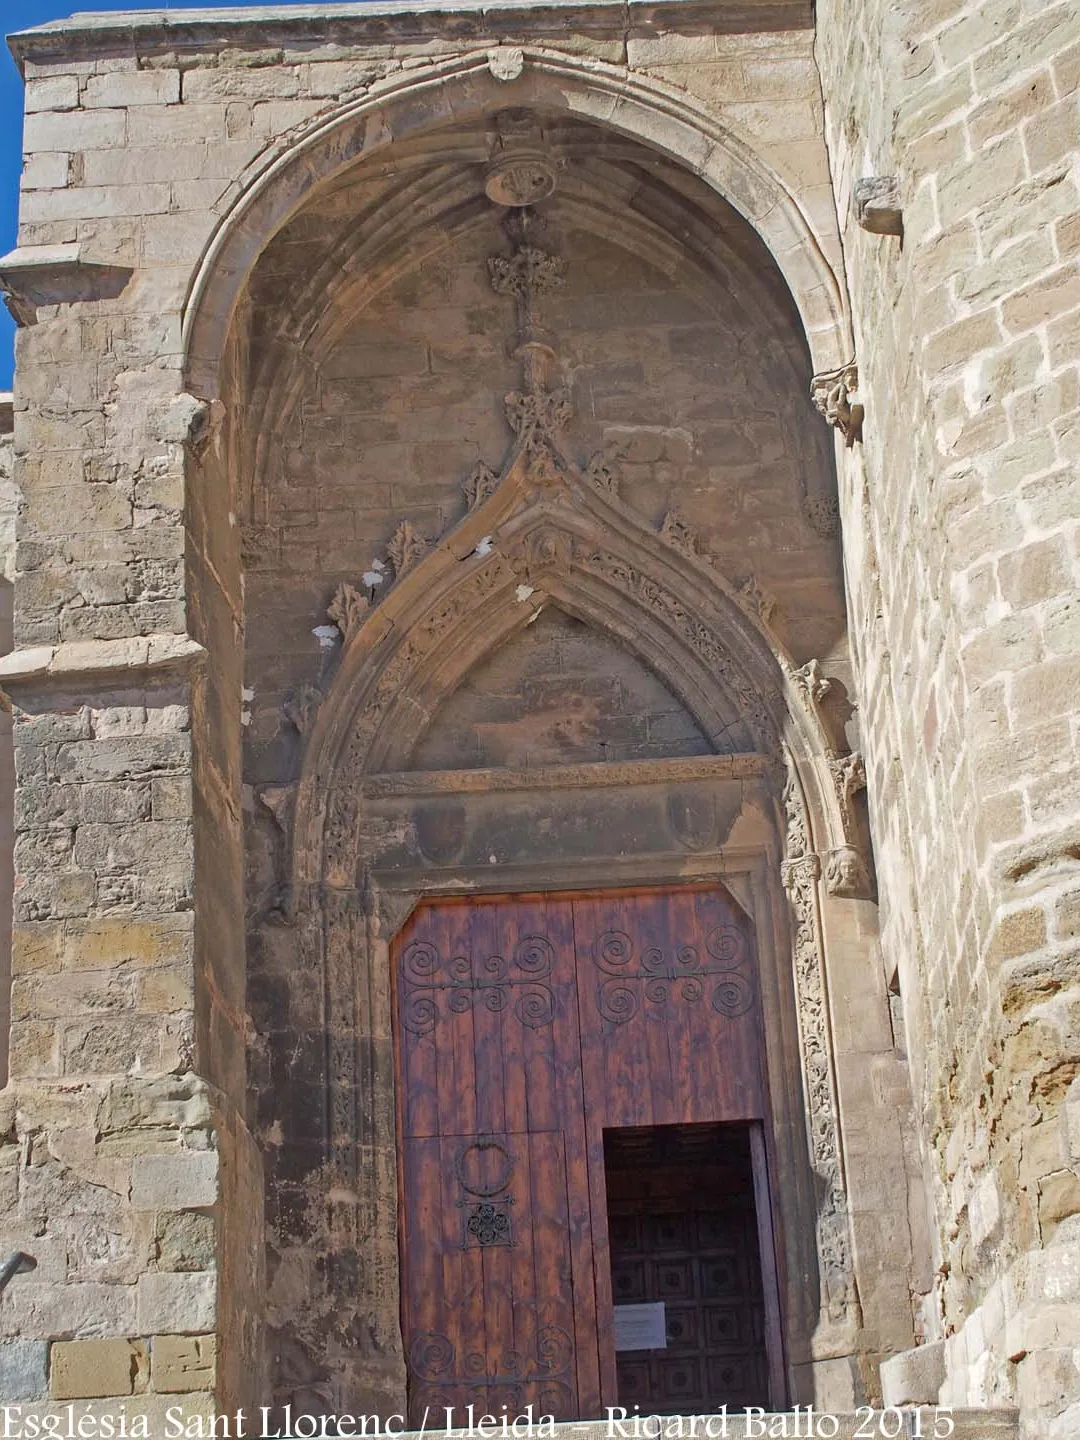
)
(528, 1029)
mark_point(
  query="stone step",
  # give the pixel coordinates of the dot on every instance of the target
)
(926, 1422)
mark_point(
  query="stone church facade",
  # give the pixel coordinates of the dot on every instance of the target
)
(475, 464)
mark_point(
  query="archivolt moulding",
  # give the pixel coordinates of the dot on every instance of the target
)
(546, 535)
(552, 536)
(449, 91)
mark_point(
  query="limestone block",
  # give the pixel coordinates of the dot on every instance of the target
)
(173, 125)
(90, 1369)
(185, 1241)
(268, 82)
(914, 1377)
(132, 87)
(35, 1049)
(1059, 1198)
(129, 1045)
(94, 202)
(122, 758)
(52, 92)
(23, 1369)
(176, 1304)
(338, 77)
(182, 1363)
(47, 171)
(176, 239)
(124, 940)
(96, 130)
(175, 1182)
(83, 1310)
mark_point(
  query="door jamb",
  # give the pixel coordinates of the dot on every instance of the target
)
(774, 1330)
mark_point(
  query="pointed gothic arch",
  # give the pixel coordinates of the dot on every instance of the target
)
(551, 531)
(451, 90)
(562, 536)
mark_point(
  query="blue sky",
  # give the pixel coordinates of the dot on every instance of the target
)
(20, 15)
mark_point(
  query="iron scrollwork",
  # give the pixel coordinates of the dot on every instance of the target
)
(432, 1361)
(654, 978)
(425, 975)
(489, 1224)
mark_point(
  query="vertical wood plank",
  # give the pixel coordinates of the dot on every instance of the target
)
(774, 1336)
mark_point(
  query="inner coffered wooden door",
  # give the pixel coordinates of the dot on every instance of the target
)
(525, 1026)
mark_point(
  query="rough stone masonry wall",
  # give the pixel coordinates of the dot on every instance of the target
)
(127, 1176)
(960, 528)
(134, 153)
(7, 758)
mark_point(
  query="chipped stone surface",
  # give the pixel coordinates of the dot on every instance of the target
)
(87, 1369)
(180, 1364)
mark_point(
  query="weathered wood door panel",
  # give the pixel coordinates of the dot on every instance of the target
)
(490, 1283)
(524, 1027)
(669, 1022)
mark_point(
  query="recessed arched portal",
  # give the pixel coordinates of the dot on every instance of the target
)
(598, 518)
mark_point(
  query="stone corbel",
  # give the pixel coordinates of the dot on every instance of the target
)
(876, 205)
(36, 275)
(846, 874)
(835, 393)
(847, 871)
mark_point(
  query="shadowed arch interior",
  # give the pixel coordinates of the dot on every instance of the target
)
(681, 530)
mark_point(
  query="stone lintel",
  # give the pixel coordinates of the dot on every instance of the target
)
(36, 275)
(396, 21)
(587, 775)
(84, 659)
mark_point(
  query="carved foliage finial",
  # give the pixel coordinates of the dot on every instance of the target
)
(529, 271)
(406, 547)
(755, 598)
(347, 610)
(480, 484)
(537, 415)
(680, 535)
(537, 412)
(602, 472)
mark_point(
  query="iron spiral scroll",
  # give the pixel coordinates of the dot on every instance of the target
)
(514, 1379)
(493, 982)
(653, 979)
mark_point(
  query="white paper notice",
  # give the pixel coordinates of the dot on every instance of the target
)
(640, 1327)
